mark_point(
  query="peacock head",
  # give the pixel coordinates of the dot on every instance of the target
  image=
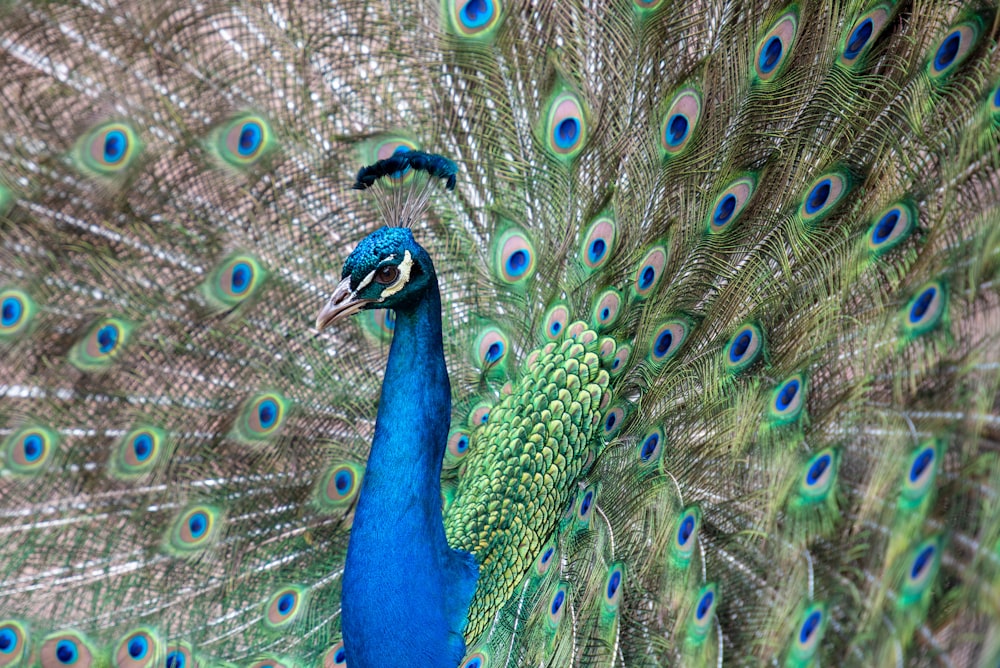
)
(388, 269)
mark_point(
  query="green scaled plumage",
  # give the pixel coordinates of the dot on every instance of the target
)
(720, 309)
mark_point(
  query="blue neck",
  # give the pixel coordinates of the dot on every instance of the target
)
(398, 599)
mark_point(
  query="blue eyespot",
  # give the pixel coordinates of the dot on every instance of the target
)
(646, 278)
(948, 50)
(107, 338)
(343, 480)
(33, 447)
(921, 304)
(11, 311)
(787, 395)
(267, 413)
(677, 129)
(285, 603)
(588, 499)
(477, 13)
(885, 226)
(740, 345)
(566, 133)
(921, 463)
(705, 604)
(770, 55)
(613, 582)
(817, 469)
(663, 343)
(240, 277)
(494, 352)
(115, 146)
(818, 196)
(685, 530)
(858, 39)
(340, 656)
(557, 601)
(598, 247)
(142, 446)
(137, 647)
(8, 641)
(548, 555)
(518, 262)
(649, 446)
(920, 563)
(197, 524)
(809, 626)
(66, 651)
(176, 659)
(724, 210)
(251, 135)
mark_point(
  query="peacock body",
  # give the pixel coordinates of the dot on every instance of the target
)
(701, 337)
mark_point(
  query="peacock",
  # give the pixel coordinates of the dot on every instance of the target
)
(495, 333)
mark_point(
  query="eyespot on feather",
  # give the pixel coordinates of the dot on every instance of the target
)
(585, 506)
(108, 149)
(268, 661)
(613, 421)
(242, 141)
(261, 418)
(920, 473)
(514, 257)
(565, 130)
(891, 227)
(480, 414)
(809, 633)
(102, 345)
(557, 604)
(953, 49)
(620, 360)
(555, 322)
(335, 657)
(649, 272)
(29, 450)
(650, 447)
(546, 557)
(180, 655)
(193, 530)
(491, 348)
(823, 196)
(473, 19)
(925, 309)
(140, 648)
(138, 452)
(775, 49)
(458, 447)
(667, 340)
(235, 280)
(338, 487)
(686, 535)
(703, 613)
(284, 607)
(599, 242)
(607, 307)
(921, 567)
(788, 400)
(819, 476)
(17, 310)
(614, 584)
(863, 33)
(15, 642)
(744, 348)
(67, 648)
(680, 122)
(478, 659)
(730, 203)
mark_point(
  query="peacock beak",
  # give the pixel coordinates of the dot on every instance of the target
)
(343, 303)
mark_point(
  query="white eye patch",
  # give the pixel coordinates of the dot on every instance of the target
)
(404, 277)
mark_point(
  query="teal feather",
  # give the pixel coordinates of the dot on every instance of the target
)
(719, 311)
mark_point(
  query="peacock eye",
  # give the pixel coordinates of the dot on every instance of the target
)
(387, 274)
